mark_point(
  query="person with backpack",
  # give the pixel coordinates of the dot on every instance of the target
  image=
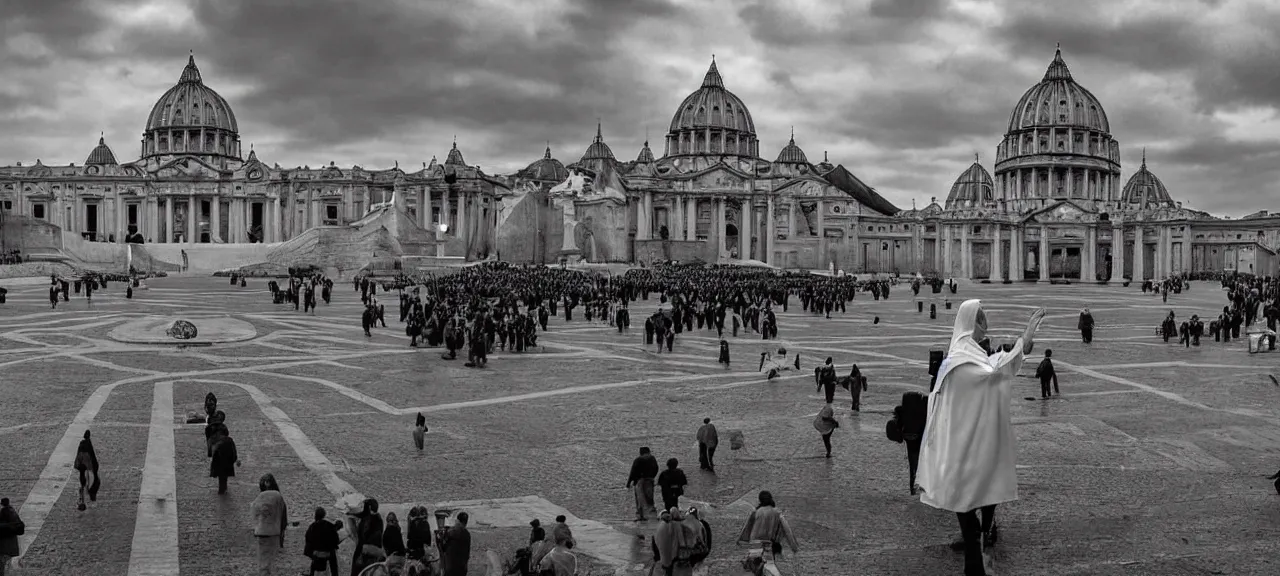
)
(910, 418)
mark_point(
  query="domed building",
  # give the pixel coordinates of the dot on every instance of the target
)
(1054, 209)
(192, 118)
(192, 185)
(1050, 208)
(973, 188)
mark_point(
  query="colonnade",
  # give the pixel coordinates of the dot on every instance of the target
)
(683, 220)
(1172, 256)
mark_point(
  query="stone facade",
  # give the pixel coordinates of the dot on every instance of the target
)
(190, 186)
(1054, 209)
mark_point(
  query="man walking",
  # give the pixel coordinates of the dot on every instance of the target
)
(1086, 325)
(643, 470)
(1047, 375)
(708, 439)
(672, 482)
(456, 547)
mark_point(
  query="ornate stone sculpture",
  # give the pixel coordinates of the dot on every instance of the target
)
(182, 330)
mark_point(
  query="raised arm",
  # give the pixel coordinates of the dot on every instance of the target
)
(1028, 336)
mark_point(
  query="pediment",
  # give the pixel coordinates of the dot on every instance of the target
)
(187, 167)
(806, 187)
(721, 171)
(1064, 211)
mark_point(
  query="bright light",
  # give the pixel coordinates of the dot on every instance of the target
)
(442, 228)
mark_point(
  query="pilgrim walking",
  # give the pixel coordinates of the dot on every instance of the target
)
(87, 465)
(825, 423)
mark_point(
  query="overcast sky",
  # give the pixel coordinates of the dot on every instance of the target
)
(902, 92)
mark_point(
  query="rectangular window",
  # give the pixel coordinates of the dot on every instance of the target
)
(8, 204)
(331, 212)
(37, 211)
(977, 229)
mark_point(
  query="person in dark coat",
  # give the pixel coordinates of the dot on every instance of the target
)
(1086, 325)
(706, 535)
(419, 535)
(217, 424)
(368, 538)
(11, 527)
(643, 469)
(321, 545)
(826, 377)
(912, 415)
(724, 353)
(225, 459)
(672, 482)
(87, 465)
(536, 532)
(456, 548)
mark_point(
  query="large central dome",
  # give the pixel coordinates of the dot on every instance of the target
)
(712, 121)
(191, 118)
(1058, 145)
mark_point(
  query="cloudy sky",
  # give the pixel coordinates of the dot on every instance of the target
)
(903, 92)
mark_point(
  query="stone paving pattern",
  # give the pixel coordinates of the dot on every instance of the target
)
(1151, 462)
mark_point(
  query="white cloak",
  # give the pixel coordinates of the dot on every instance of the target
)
(968, 453)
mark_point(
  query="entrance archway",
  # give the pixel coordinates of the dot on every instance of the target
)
(731, 238)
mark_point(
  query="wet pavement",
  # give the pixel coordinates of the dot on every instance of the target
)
(1152, 461)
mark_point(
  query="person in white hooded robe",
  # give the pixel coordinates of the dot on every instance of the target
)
(967, 458)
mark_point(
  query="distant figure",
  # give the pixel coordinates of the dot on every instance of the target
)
(1047, 375)
(708, 439)
(724, 353)
(1086, 325)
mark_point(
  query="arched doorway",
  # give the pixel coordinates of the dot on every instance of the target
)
(730, 242)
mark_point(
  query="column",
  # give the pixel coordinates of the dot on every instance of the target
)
(1071, 183)
(945, 245)
(691, 219)
(997, 246)
(791, 219)
(169, 222)
(1044, 254)
(717, 234)
(746, 227)
(644, 220)
(1089, 269)
(770, 231)
(1118, 256)
(822, 237)
(274, 223)
(122, 217)
(1139, 269)
(676, 219)
(215, 219)
(1015, 254)
(464, 225)
(966, 259)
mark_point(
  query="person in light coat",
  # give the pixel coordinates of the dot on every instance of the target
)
(967, 459)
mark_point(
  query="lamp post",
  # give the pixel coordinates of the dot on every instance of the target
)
(441, 228)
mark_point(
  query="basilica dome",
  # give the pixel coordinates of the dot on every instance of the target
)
(1145, 190)
(973, 188)
(1058, 101)
(791, 154)
(101, 155)
(1058, 144)
(191, 118)
(712, 121)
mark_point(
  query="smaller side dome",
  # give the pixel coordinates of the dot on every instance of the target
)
(1144, 189)
(546, 169)
(791, 154)
(101, 155)
(455, 156)
(974, 187)
(598, 150)
(646, 155)
(825, 166)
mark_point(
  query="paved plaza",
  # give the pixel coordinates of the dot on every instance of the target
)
(1151, 461)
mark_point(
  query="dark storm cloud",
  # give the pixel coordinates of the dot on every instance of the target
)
(62, 25)
(781, 25)
(347, 71)
(1231, 65)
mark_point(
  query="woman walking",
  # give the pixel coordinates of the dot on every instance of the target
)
(87, 465)
(767, 526)
(968, 453)
(368, 538)
(826, 424)
(270, 518)
(225, 459)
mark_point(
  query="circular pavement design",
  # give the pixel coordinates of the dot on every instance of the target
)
(209, 330)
